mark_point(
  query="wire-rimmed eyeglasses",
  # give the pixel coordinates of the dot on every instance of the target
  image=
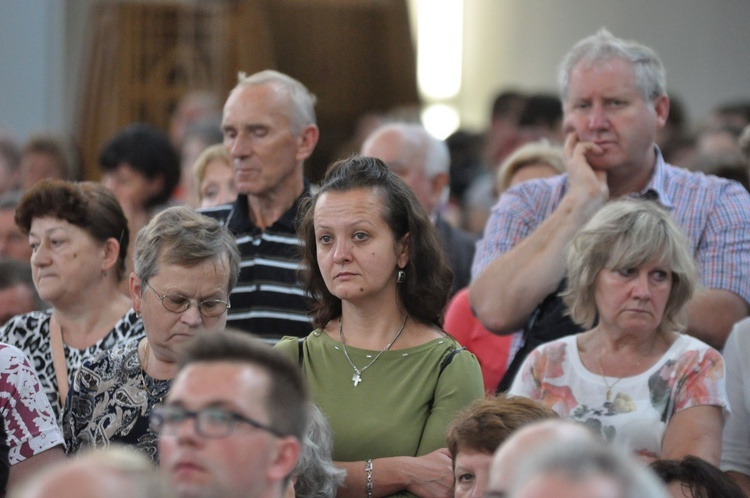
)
(212, 423)
(179, 304)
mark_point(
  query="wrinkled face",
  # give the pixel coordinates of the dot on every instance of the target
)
(357, 254)
(402, 158)
(605, 107)
(247, 462)
(131, 187)
(633, 299)
(36, 166)
(217, 186)
(65, 261)
(166, 330)
(258, 135)
(471, 473)
(14, 301)
(13, 243)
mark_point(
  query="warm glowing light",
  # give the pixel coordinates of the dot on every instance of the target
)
(439, 47)
(440, 120)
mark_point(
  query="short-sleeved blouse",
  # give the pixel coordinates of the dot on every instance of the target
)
(30, 333)
(109, 403)
(690, 373)
(404, 402)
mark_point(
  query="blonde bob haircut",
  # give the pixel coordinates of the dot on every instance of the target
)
(627, 234)
(216, 152)
(539, 152)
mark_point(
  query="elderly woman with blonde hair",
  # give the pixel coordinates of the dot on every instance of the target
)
(632, 375)
(538, 159)
(214, 177)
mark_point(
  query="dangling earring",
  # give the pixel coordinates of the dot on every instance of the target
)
(400, 276)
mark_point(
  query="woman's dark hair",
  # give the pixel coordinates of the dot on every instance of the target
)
(702, 479)
(147, 150)
(424, 291)
(87, 205)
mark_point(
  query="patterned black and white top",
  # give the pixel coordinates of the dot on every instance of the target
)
(30, 333)
(107, 403)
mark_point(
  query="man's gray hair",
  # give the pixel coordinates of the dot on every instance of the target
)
(302, 101)
(581, 461)
(650, 77)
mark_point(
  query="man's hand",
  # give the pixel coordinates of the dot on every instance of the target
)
(586, 184)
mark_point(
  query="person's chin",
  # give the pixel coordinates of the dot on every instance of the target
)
(189, 489)
(191, 481)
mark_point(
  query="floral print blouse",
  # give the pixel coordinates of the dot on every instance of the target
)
(632, 412)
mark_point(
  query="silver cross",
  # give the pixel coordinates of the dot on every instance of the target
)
(356, 378)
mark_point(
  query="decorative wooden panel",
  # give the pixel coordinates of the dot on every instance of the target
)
(355, 55)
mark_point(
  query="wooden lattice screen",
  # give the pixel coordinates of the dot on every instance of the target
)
(356, 55)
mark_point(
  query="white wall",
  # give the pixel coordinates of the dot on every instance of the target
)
(32, 78)
(705, 46)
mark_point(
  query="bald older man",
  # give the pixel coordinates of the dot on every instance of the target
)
(423, 162)
(524, 443)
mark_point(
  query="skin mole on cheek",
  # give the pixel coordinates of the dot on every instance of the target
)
(361, 289)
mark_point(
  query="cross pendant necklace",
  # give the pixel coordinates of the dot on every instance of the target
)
(357, 377)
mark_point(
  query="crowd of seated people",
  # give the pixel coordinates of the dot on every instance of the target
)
(591, 342)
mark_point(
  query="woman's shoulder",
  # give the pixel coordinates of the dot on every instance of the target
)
(292, 345)
(129, 325)
(11, 356)
(685, 344)
(127, 328)
(557, 346)
(114, 359)
(26, 324)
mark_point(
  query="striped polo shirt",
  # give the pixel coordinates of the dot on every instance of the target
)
(269, 300)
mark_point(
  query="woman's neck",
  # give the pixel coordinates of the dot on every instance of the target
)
(84, 322)
(624, 355)
(156, 365)
(369, 328)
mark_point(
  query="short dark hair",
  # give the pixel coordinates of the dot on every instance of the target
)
(88, 205)
(147, 150)
(424, 291)
(487, 422)
(61, 149)
(287, 393)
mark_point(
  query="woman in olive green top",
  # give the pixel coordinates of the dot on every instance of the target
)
(379, 366)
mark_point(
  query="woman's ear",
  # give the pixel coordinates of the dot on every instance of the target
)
(402, 251)
(136, 291)
(111, 254)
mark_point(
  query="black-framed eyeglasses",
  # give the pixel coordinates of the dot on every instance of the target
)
(212, 423)
(179, 304)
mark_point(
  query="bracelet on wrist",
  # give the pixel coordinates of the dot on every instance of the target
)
(368, 471)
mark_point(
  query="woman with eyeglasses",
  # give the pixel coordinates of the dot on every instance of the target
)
(185, 266)
(79, 239)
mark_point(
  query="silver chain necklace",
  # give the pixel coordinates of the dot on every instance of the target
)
(357, 377)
